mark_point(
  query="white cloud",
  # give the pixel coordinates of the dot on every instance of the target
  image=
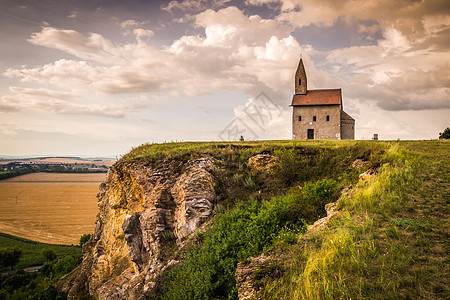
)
(94, 47)
(18, 102)
(405, 70)
(139, 32)
(194, 5)
(411, 18)
(44, 93)
(129, 23)
(394, 74)
(236, 51)
(286, 5)
(260, 118)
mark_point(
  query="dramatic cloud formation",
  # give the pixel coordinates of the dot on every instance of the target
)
(236, 51)
(393, 62)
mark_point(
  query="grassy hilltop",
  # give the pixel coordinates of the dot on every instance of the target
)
(388, 241)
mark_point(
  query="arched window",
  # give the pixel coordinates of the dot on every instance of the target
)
(314, 118)
(299, 81)
(328, 118)
(299, 118)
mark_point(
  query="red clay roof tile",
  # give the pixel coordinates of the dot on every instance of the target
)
(318, 97)
(345, 116)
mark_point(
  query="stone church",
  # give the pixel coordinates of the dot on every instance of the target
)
(319, 114)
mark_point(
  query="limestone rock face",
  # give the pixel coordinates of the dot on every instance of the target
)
(245, 277)
(144, 212)
(366, 176)
(193, 194)
(262, 162)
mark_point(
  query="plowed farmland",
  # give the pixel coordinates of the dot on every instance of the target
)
(48, 207)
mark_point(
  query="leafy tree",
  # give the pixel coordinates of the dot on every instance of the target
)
(49, 254)
(64, 265)
(10, 256)
(84, 238)
(445, 134)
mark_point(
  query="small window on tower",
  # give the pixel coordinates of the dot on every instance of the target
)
(299, 81)
(299, 118)
(328, 118)
(314, 118)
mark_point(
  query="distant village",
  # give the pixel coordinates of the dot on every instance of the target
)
(15, 167)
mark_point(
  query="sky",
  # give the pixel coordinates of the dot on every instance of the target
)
(97, 77)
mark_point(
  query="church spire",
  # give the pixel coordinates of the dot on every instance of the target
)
(300, 79)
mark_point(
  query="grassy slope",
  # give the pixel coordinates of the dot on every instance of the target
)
(31, 251)
(299, 162)
(389, 242)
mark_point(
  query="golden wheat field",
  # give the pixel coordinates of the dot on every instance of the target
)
(49, 207)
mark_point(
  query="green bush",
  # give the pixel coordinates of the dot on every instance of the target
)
(84, 238)
(245, 231)
(445, 134)
(49, 254)
(32, 251)
(64, 265)
(10, 256)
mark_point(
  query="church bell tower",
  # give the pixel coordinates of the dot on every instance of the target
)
(300, 79)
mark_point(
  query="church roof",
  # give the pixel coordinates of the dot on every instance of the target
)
(318, 97)
(345, 116)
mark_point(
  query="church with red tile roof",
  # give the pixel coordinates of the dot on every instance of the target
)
(319, 114)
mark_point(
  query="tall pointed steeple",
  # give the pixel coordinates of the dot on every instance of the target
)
(300, 79)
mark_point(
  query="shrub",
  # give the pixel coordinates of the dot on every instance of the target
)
(10, 256)
(64, 265)
(445, 134)
(84, 238)
(49, 254)
(247, 230)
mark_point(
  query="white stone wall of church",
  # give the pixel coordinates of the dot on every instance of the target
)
(323, 129)
(348, 129)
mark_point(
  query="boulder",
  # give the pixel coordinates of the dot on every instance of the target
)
(262, 162)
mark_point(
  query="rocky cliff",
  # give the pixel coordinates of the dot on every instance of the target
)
(158, 196)
(145, 212)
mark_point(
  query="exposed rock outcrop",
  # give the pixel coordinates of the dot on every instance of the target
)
(261, 162)
(359, 163)
(366, 176)
(144, 212)
(246, 277)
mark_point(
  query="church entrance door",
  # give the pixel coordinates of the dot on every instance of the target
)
(310, 134)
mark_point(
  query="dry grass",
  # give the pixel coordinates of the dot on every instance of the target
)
(51, 207)
(390, 240)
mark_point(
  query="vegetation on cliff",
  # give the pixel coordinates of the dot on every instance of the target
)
(389, 241)
(386, 236)
(208, 270)
(256, 208)
(51, 262)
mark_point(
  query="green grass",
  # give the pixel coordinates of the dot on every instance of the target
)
(31, 250)
(247, 230)
(167, 150)
(390, 240)
(300, 161)
(255, 208)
